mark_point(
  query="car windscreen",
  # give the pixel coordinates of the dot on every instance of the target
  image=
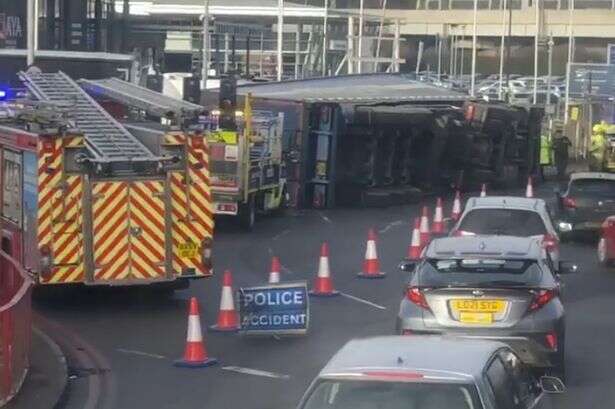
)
(478, 272)
(510, 222)
(592, 187)
(359, 394)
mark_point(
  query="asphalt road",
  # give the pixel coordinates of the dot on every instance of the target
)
(139, 332)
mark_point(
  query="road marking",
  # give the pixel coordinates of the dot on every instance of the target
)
(390, 226)
(255, 372)
(140, 353)
(280, 234)
(325, 218)
(352, 297)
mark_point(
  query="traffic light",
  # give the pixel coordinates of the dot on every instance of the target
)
(228, 102)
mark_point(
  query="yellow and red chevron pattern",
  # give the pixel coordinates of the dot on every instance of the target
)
(192, 212)
(147, 227)
(110, 231)
(60, 211)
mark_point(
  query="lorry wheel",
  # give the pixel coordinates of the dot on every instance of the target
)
(247, 214)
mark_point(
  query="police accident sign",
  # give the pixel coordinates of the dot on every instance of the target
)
(275, 309)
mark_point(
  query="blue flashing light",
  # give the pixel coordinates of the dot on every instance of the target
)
(3, 94)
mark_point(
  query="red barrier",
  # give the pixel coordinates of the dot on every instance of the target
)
(15, 326)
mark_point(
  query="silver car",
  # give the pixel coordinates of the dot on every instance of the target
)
(428, 373)
(495, 287)
(512, 216)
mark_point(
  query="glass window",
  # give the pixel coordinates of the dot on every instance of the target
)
(479, 272)
(11, 186)
(370, 394)
(513, 222)
(525, 385)
(592, 187)
(501, 385)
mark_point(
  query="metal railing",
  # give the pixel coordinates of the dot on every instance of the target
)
(15, 326)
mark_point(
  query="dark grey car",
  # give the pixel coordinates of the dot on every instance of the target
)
(494, 287)
(587, 201)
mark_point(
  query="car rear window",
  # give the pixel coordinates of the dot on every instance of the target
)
(510, 222)
(355, 394)
(474, 272)
(592, 187)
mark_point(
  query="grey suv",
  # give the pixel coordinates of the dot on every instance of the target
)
(495, 287)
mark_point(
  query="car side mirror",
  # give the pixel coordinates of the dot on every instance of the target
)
(407, 265)
(568, 267)
(551, 384)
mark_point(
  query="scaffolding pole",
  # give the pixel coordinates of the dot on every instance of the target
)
(325, 24)
(350, 45)
(360, 51)
(380, 30)
(280, 61)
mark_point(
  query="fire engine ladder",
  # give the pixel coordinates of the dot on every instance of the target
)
(132, 95)
(106, 139)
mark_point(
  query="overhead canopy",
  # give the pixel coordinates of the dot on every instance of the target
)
(360, 88)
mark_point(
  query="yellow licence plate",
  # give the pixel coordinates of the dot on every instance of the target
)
(478, 306)
(476, 317)
(188, 250)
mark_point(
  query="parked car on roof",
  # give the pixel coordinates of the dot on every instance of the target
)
(587, 201)
(428, 373)
(496, 287)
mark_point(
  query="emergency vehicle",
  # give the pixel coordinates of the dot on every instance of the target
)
(86, 201)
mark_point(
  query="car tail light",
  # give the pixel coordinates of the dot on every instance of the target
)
(406, 332)
(542, 298)
(569, 203)
(206, 253)
(417, 297)
(551, 340)
(550, 242)
(46, 261)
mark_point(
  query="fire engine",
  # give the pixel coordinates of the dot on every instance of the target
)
(86, 201)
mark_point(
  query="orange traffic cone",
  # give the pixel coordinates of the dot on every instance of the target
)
(195, 355)
(274, 274)
(228, 319)
(483, 190)
(529, 189)
(371, 265)
(437, 226)
(456, 213)
(323, 285)
(424, 227)
(414, 250)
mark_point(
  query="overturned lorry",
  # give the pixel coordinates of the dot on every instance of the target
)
(381, 139)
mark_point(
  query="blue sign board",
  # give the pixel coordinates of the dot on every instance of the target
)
(594, 79)
(275, 309)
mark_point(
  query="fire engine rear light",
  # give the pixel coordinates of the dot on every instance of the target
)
(551, 340)
(569, 202)
(417, 297)
(206, 254)
(46, 261)
(542, 298)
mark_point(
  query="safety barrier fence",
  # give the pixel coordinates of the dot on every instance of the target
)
(15, 326)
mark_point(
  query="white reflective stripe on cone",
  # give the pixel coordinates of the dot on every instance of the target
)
(424, 225)
(456, 207)
(274, 277)
(323, 267)
(438, 214)
(371, 252)
(226, 300)
(416, 238)
(194, 329)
